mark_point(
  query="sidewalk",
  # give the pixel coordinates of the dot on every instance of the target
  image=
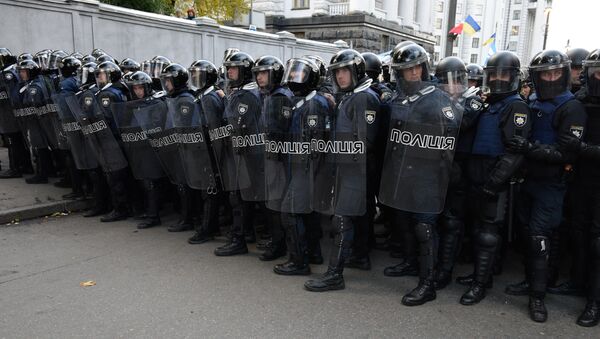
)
(19, 201)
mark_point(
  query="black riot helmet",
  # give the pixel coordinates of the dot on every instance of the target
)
(406, 61)
(244, 62)
(353, 61)
(6, 58)
(88, 58)
(302, 75)
(203, 74)
(69, 66)
(591, 73)
(129, 65)
(24, 56)
(157, 64)
(273, 66)
(174, 78)
(55, 59)
(146, 66)
(321, 64)
(402, 44)
(550, 72)
(373, 65)
(577, 55)
(42, 59)
(28, 70)
(77, 55)
(97, 52)
(107, 72)
(501, 74)
(139, 80)
(105, 57)
(475, 74)
(451, 73)
(85, 74)
(229, 52)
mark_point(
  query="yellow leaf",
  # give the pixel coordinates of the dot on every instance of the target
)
(87, 283)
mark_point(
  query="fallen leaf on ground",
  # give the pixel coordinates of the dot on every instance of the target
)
(87, 283)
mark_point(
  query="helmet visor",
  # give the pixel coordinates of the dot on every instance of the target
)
(500, 80)
(198, 77)
(453, 82)
(156, 68)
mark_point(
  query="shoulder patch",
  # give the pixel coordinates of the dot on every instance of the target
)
(286, 112)
(105, 102)
(88, 101)
(448, 112)
(242, 108)
(370, 116)
(8, 76)
(577, 131)
(520, 119)
(33, 91)
(185, 110)
(475, 104)
(312, 120)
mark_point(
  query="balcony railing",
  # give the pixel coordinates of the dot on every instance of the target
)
(339, 9)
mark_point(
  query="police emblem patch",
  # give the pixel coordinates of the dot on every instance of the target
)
(577, 131)
(475, 105)
(520, 119)
(8, 76)
(87, 101)
(370, 116)
(105, 102)
(286, 112)
(312, 120)
(242, 109)
(33, 91)
(185, 110)
(448, 113)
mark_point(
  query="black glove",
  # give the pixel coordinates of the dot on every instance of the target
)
(518, 144)
(570, 143)
(488, 192)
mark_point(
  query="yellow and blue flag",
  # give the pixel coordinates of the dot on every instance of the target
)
(470, 26)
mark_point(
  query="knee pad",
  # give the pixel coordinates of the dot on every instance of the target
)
(452, 225)
(487, 240)
(424, 232)
(539, 245)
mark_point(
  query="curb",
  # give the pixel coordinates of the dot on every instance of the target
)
(40, 210)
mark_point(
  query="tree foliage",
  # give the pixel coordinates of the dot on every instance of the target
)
(154, 6)
(221, 10)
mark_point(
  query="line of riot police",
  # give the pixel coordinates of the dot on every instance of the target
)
(451, 161)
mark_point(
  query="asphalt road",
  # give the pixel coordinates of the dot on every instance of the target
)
(152, 284)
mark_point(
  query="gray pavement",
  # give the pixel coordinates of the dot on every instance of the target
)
(19, 200)
(152, 284)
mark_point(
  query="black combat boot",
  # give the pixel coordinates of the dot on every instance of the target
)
(538, 273)
(448, 251)
(487, 245)
(425, 291)
(185, 222)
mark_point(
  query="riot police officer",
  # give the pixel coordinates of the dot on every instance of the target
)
(584, 200)
(268, 73)
(558, 122)
(374, 70)
(576, 55)
(310, 119)
(157, 64)
(491, 165)
(129, 65)
(242, 113)
(474, 75)
(351, 181)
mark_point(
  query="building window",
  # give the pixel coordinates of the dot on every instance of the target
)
(455, 42)
(379, 4)
(454, 54)
(517, 15)
(385, 42)
(436, 56)
(474, 58)
(475, 43)
(438, 23)
(438, 40)
(439, 6)
(512, 46)
(301, 4)
(479, 10)
(514, 30)
(517, 2)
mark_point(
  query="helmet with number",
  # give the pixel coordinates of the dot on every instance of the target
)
(475, 73)
(28, 69)
(42, 58)
(452, 75)
(591, 73)
(351, 60)
(85, 74)
(203, 74)
(501, 74)
(157, 65)
(55, 59)
(244, 62)
(6, 58)
(97, 52)
(302, 75)
(273, 66)
(107, 72)
(69, 66)
(105, 57)
(374, 67)
(174, 78)
(550, 72)
(139, 80)
(129, 65)
(406, 61)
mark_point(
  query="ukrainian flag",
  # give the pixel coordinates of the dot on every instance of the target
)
(470, 26)
(490, 40)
